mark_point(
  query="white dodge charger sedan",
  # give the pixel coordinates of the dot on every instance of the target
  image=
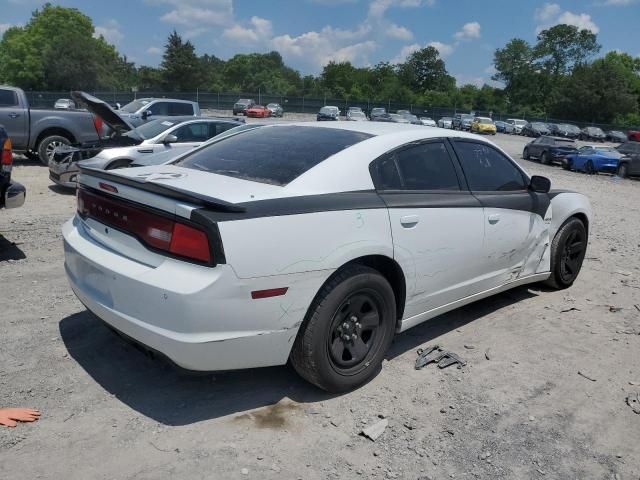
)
(314, 243)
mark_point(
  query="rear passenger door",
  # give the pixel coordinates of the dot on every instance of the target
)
(437, 225)
(516, 219)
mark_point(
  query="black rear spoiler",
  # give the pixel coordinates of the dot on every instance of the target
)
(165, 190)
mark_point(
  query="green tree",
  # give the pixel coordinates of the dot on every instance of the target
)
(57, 50)
(425, 70)
(563, 47)
(180, 67)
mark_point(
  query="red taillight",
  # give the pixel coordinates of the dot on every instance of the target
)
(190, 242)
(156, 231)
(7, 156)
(97, 123)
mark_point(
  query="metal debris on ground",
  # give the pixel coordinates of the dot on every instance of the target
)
(586, 376)
(570, 310)
(435, 354)
(633, 400)
(374, 431)
(614, 309)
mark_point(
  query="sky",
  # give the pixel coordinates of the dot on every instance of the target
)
(310, 33)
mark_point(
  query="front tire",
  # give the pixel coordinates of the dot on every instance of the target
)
(47, 147)
(568, 249)
(588, 168)
(347, 330)
(525, 154)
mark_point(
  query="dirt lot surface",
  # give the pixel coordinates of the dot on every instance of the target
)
(542, 396)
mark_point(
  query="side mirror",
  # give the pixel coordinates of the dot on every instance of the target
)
(169, 138)
(540, 184)
(146, 114)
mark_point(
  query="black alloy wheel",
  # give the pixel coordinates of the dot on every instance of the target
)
(544, 158)
(588, 168)
(568, 249)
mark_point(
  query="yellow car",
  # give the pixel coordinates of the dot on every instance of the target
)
(483, 125)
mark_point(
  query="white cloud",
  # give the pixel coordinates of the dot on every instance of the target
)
(110, 31)
(316, 49)
(619, 3)
(469, 30)
(260, 30)
(398, 32)
(462, 79)
(4, 27)
(405, 52)
(551, 14)
(195, 13)
(154, 50)
(444, 49)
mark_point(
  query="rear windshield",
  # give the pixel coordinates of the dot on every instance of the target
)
(274, 155)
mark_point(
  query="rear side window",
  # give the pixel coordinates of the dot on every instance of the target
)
(159, 108)
(427, 167)
(193, 132)
(488, 170)
(218, 128)
(176, 109)
(276, 155)
(8, 98)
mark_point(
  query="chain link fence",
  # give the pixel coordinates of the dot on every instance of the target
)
(309, 105)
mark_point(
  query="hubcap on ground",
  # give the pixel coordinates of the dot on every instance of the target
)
(354, 330)
(572, 255)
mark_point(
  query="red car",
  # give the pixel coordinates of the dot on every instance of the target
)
(634, 135)
(257, 111)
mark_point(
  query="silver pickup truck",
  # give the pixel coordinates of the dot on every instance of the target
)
(38, 132)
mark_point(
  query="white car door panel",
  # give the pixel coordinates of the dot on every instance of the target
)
(437, 227)
(516, 219)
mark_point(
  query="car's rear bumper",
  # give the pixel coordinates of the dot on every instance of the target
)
(201, 318)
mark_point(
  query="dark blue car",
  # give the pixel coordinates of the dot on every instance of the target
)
(593, 159)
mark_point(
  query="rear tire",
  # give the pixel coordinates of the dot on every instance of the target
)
(48, 145)
(623, 170)
(347, 330)
(568, 249)
(525, 154)
(588, 168)
(544, 159)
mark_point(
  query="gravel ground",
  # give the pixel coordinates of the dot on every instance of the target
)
(519, 409)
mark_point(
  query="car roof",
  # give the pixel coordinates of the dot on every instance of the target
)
(352, 162)
(153, 99)
(190, 118)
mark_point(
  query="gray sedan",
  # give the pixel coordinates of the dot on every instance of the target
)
(162, 139)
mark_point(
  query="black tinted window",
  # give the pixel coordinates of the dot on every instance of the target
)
(159, 108)
(193, 132)
(8, 98)
(427, 167)
(218, 128)
(275, 155)
(487, 169)
(176, 109)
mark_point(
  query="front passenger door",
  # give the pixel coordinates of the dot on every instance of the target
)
(516, 219)
(437, 225)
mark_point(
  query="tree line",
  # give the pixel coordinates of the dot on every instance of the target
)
(559, 76)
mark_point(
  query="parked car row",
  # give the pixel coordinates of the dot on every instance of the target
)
(249, 108)
(623, 160)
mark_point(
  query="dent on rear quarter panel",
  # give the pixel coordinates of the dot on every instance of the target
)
(308, 242)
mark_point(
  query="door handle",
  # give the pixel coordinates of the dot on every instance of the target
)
(409, 221)
(494, 218)
(14, 115)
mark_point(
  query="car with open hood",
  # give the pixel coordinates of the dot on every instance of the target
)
(164, 136)
(313, 243)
